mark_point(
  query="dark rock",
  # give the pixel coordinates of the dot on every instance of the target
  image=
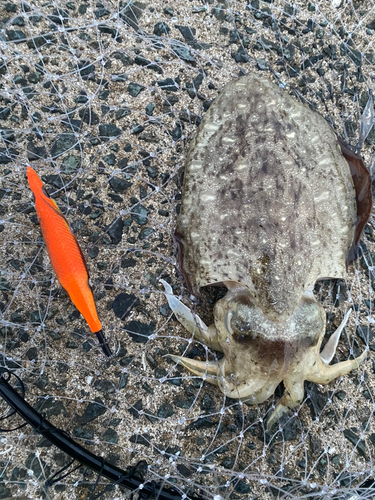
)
(123, 304)
(84, 433)
(62, 143)
(37, 465)
(139, 332)
(86, 69)
(110, 436)
(71, 164)
(139, 214)
(219, 12)
(187, 32)
(105, 386)
(241, 56)
(108, 130)
(145, 233)
(208, 404)
(134, 89)
(35, 152)
(183, 470)
(110, 159)
(150, 109)
(177, 132)
(75, 125)
(125, 263)
(50, 407)
(142, 61)
(182, 52)
(92, 411)
(53, 180)
(203, 423)
(104, 28)
(132, 13)
(87, 115)
(119, 185)
(16, 36)
(119, 77)
(184, 402)
(137, 129)
(32, 353)
(124, 58)
(116, 198)
(165, 411)
(358, 443)
(122, 112)
(101, 12)
(115, 230)
(161, 29)
(5, 155)
(168, 84)
(4, 113)
(242, 488)
(143, 439)
(59, 16)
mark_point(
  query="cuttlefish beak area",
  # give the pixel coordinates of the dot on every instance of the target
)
(260, 353)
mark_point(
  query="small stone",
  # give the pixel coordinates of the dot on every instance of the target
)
(125, 263)
(143, 439)
(139, 332)
(359, 444)
(168, 84)
(183, 52)
(161, 29)
(16, 36)
(122, 112)
(136, 408)
(119, 185)
(92, 411)
(165, 410)
(139, 214)
(134, 89)
(71, 164)
(110, 159)
(62, 143)
(115, 230)
(110, 436)
(150, 109)
(145, 233)
(123, 304)
(84, 433)
(108, 130)
(4, 113)
(88, 116)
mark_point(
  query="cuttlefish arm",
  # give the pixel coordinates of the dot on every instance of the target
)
(310, 365)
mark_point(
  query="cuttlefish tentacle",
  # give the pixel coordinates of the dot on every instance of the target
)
(324, 374)
(208, 370)
(293, 396)
(191, 321)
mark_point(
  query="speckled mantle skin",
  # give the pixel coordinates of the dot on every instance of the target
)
(268, 197)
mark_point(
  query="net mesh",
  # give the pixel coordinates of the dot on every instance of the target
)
(101, 98)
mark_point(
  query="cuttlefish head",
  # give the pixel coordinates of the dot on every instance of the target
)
(260, 353)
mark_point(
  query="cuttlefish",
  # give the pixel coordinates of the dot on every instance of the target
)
(272, 202)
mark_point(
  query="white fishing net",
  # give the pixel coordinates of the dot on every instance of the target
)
(101, 98)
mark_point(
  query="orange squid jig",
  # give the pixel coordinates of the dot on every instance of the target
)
(66, 256)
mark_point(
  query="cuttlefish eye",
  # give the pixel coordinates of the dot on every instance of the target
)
(238, 325)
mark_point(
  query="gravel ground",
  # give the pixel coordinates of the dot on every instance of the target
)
(102, 100)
